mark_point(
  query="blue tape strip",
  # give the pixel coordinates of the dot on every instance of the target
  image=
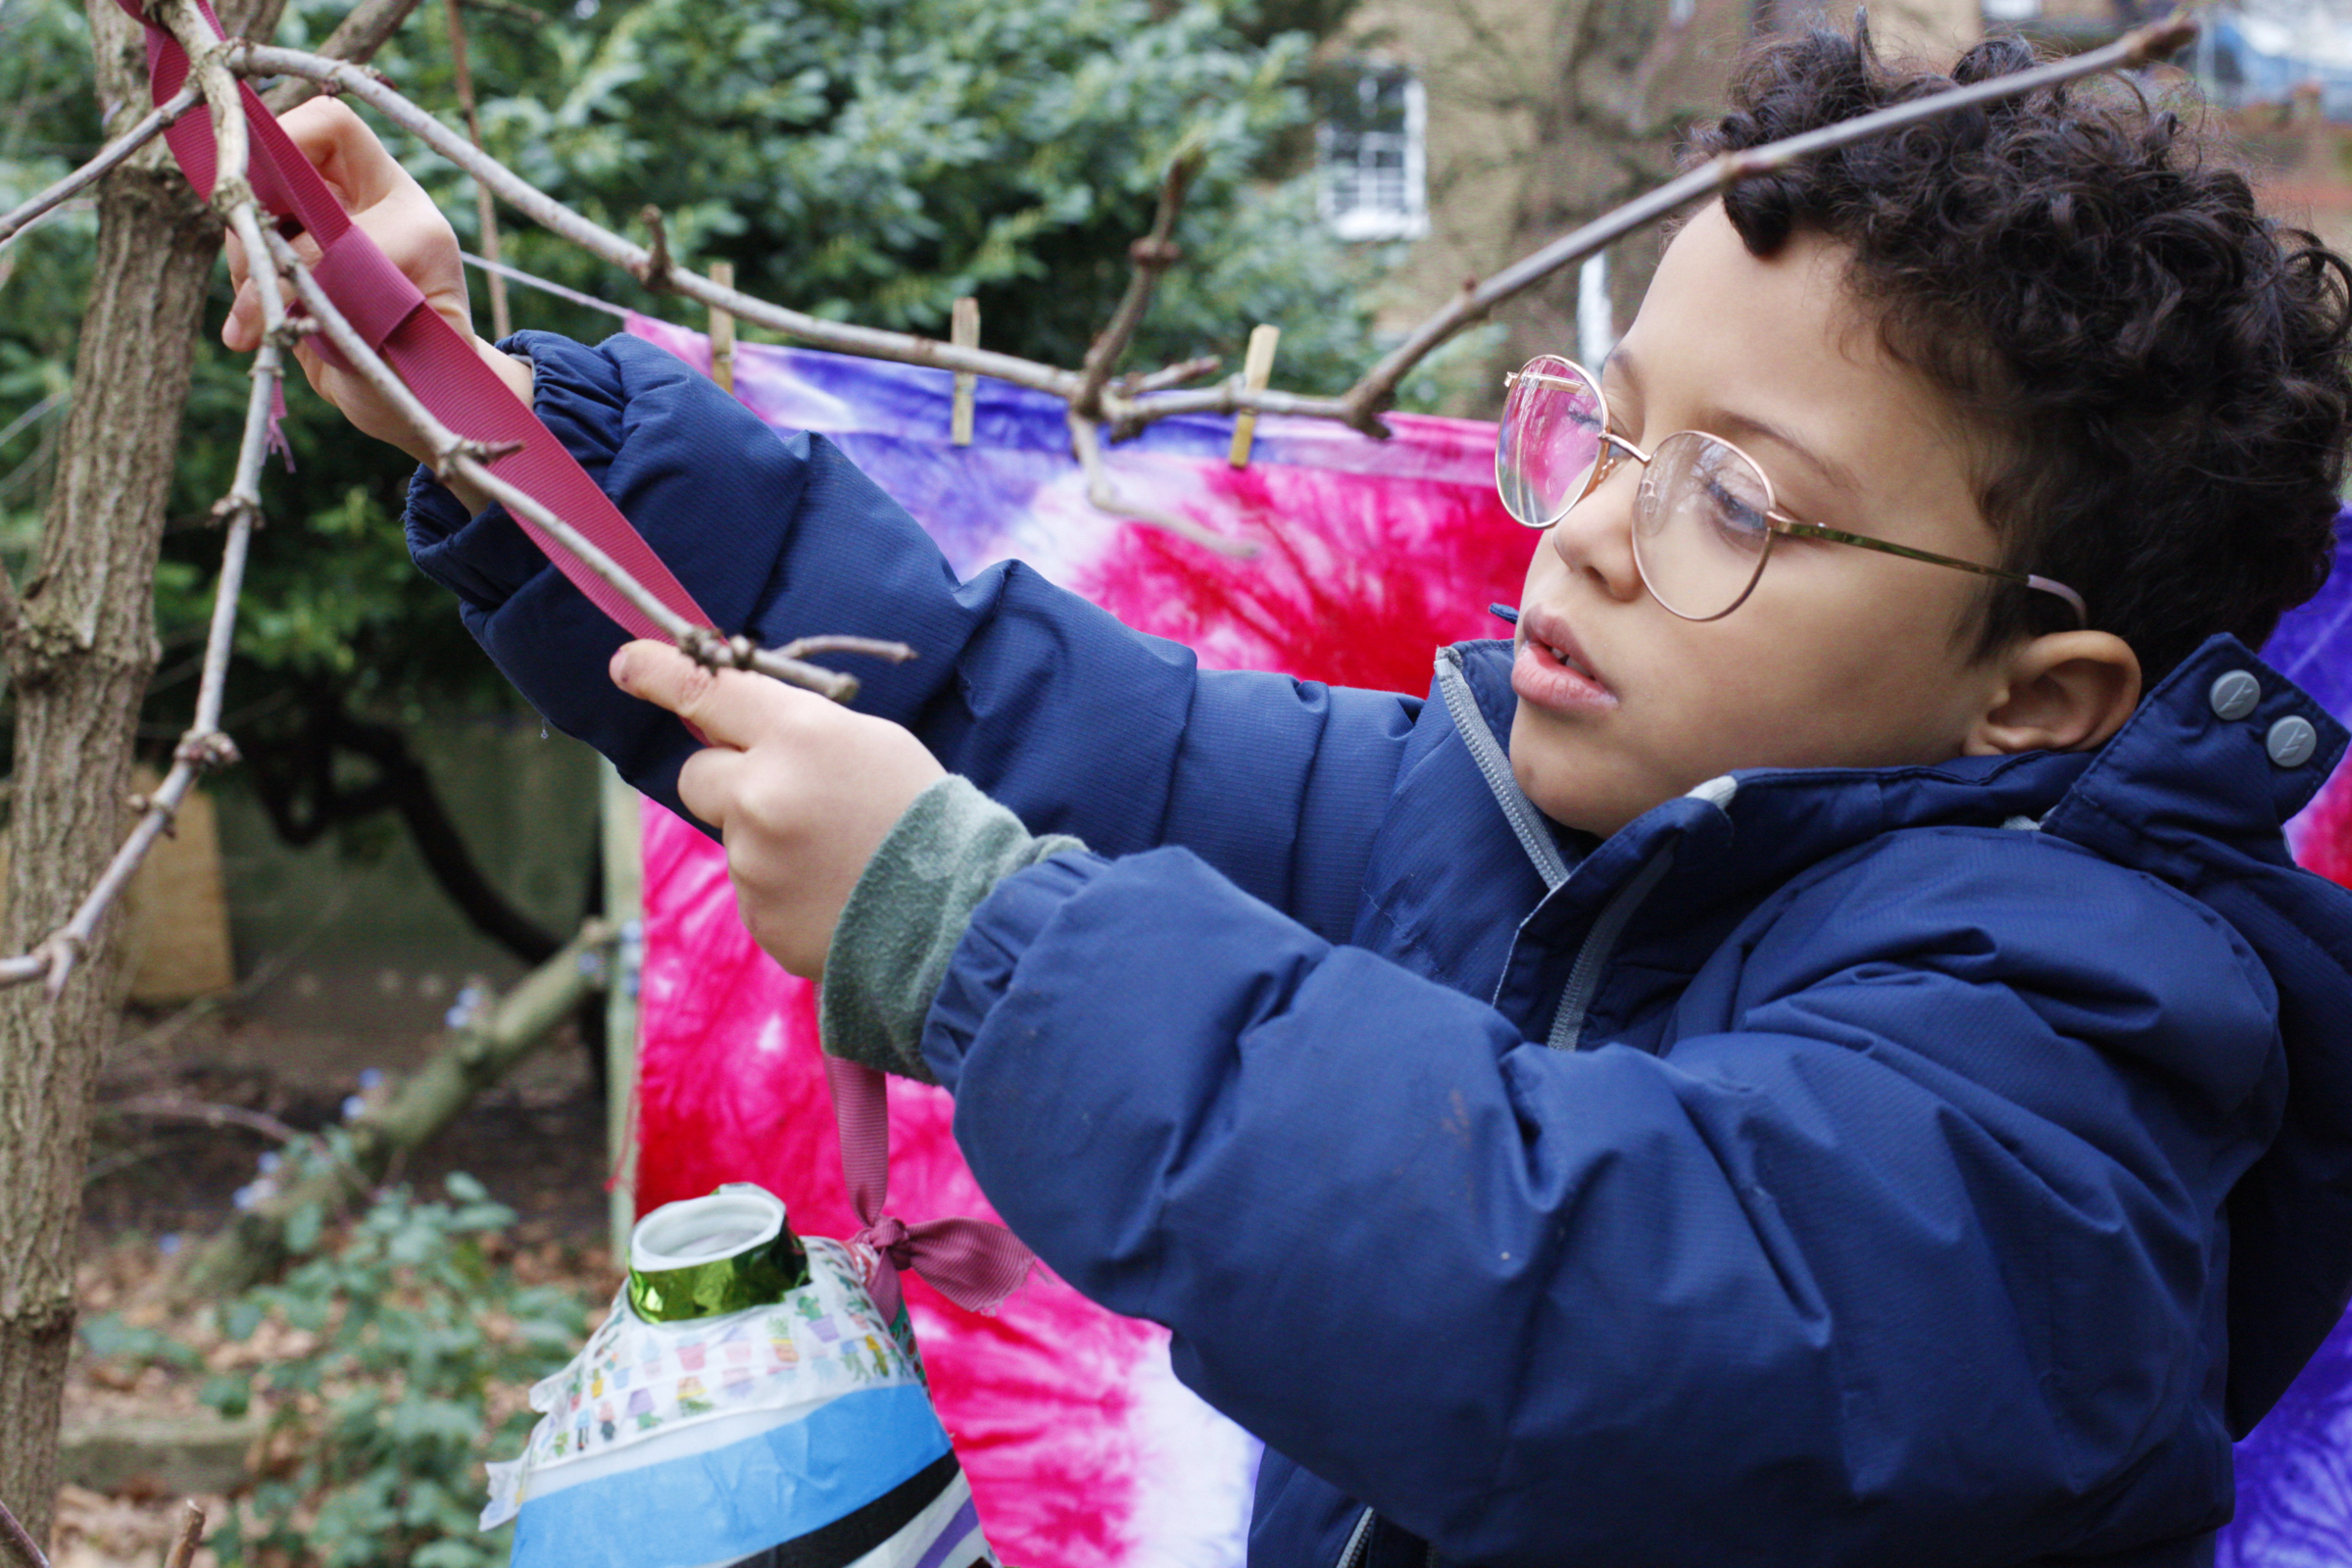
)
(745, 1498)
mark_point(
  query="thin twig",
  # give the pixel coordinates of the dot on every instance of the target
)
(1151, 256)
(20, 1545)
(207, 1112)
(1137, 382)
(191, 1536)
(455, 456)
(97, 169)
(1105, 494)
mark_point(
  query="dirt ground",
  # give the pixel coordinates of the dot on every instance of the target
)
(189, 1104)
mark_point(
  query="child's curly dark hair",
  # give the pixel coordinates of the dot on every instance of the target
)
(2160, 368)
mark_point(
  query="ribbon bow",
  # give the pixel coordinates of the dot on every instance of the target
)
(972, 1262)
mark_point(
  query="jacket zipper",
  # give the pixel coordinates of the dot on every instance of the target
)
(1359, 1543)
(1568, 1023)
(1533, 829)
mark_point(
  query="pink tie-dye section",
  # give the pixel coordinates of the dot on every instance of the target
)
(1373, 554)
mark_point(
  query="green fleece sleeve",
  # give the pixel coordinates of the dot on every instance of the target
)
(904, 916)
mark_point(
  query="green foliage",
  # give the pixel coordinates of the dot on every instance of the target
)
(410, 1328)
(872, 162)
(47, 121)
(866, 160)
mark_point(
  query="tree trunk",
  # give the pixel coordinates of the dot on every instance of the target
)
(79, 663)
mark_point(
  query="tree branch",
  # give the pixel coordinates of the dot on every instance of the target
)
(1151, 255)
(99, 166)
(1105, 494)
(633, 259)
(1363, 404)
(1372, 395)
(20, 1545)
(207, 1112)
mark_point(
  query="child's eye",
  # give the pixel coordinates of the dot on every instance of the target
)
(1737, 517)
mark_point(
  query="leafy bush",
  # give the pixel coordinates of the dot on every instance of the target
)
(408, 1353)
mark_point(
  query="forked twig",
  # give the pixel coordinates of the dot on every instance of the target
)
(203, 746)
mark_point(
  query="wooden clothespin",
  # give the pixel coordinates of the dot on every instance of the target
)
(722, 332)
(1258, 369)
(963, 330)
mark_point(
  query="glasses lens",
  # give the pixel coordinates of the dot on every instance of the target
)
(1700, 531)
(1549, 440)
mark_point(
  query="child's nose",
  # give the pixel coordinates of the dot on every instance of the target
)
(1595, 539)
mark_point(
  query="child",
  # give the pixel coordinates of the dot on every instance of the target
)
(1787, 1060)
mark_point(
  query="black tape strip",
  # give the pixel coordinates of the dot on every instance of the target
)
(854, 1535)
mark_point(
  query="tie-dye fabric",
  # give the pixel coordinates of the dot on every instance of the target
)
(1082, 1448)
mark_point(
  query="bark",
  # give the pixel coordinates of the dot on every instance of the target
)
(78, 658)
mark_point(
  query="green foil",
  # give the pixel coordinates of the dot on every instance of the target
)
(759, 1276)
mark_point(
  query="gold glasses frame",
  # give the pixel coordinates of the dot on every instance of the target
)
(1777, 522)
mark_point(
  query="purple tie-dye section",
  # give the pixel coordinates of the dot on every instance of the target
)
(1374, 552)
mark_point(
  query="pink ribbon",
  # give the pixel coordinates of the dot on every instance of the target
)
(972, 1262)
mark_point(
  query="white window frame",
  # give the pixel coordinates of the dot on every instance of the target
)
(1400, 210)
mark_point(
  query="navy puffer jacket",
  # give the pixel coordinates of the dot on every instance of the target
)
(1889, 1166)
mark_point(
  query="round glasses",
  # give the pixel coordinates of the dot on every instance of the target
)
(1705, 520)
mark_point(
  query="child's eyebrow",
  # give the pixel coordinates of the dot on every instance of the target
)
(1735, 426)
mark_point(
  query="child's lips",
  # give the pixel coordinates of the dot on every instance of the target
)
(1551, 674)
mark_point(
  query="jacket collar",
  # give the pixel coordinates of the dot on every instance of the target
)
(2192, 768)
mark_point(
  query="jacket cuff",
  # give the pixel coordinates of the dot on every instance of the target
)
(980, 971)
(485, 559)
(906, 915)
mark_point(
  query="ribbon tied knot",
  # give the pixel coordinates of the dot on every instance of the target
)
(974, 1263)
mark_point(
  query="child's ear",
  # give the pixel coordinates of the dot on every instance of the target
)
(2069, 691)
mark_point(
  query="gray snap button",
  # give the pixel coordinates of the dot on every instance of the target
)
(2291, 740)
(2234, 695)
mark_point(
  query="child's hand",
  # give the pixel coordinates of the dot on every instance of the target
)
(801, 789)
(394, 211)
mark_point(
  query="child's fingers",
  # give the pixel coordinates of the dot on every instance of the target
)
(729, 707)
(241, 332)
(709, 782)
(354, 163)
